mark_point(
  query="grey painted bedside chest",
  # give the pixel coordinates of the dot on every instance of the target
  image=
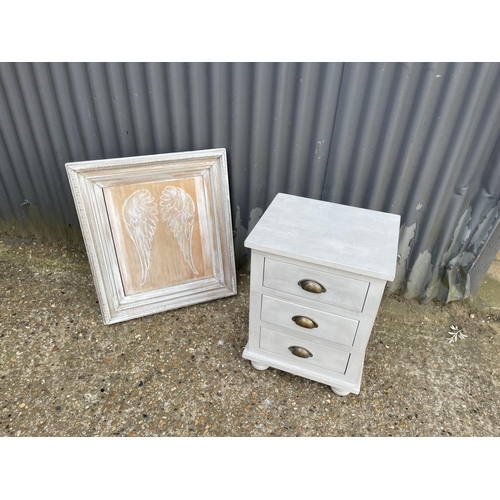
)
(318, 272)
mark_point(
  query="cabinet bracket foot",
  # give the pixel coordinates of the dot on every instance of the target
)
(259, 366)
(340, 392)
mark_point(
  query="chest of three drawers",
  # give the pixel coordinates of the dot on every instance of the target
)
(316, 281)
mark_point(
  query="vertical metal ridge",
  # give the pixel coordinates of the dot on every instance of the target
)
(101, 105)
(120, 105)
(220, 104)
(263, 83)
(430, 139)
(302, 126)
(27, 157)
(50, 134)
(390, 133)
(86, 124)
(199, 90)
(434, 165)
(466, 120)
(345, 132)
(128, 99)
(67, 111)
(178, 104)
(49, 154)
(364, 111)
(95, 134)
(159, 106)
(282, 115)
(241, 135)
(406, 158)
(9, 175)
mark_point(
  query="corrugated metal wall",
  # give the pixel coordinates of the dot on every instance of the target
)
(418, 139)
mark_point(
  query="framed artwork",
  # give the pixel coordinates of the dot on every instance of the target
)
(157, 230)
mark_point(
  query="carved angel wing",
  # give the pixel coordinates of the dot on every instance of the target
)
(178, 212)
(139, 214)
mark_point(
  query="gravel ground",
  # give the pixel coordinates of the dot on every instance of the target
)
(180, 373)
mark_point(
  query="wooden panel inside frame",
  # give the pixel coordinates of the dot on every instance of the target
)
(161, 232)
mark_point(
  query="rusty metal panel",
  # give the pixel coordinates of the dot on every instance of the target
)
(418, 139)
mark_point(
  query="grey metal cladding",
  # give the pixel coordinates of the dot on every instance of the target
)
(422, 140)
(418, 139)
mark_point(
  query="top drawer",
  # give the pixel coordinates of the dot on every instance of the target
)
(336, 290)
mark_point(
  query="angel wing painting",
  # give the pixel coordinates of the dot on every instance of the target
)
(139, 214)
(178, 213)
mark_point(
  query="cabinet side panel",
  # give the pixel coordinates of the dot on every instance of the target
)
(256, 277)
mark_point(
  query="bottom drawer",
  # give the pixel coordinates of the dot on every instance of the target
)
(318, 355)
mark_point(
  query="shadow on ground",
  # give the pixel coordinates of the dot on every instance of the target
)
(180, 373)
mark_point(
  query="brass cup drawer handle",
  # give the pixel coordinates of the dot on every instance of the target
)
(312, 286)
(300, 352)
(305, 322)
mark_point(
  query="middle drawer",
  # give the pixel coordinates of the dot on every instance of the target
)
(309, 321)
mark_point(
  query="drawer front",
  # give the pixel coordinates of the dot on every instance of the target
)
(320, 356)
(336, 290)
(328, 326)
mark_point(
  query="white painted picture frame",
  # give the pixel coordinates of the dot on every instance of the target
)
(157, 230)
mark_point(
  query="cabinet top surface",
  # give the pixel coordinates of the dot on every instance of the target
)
(338, 236)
